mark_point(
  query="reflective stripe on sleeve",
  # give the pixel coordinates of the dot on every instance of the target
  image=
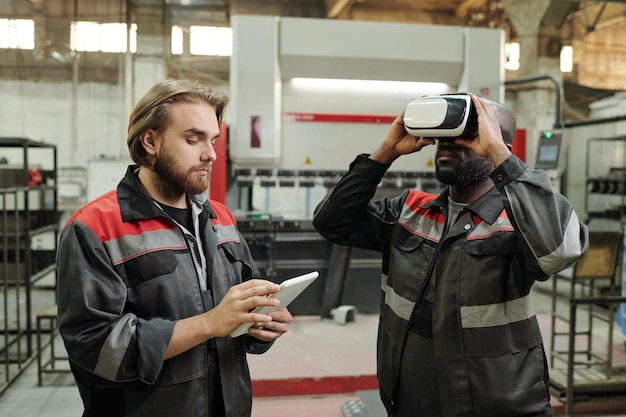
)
(115, 347)
(569, 249)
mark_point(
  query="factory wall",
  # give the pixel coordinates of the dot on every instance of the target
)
(87, 122)
(84, 124)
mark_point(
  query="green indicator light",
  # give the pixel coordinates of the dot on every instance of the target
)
(548, 135)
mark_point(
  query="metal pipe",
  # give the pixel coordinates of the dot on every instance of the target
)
(557, 88)
(75, 78)
(75, 136)
(569, 389)
(129, 81)
(589, 122)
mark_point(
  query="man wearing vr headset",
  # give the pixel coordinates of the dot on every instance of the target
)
(458, 335)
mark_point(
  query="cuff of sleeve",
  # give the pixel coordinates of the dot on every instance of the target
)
(256, 346)
(154, 343)
(508, 171)
(365, 166)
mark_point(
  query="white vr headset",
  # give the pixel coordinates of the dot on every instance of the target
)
(444, 116)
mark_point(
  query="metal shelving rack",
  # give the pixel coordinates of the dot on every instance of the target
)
(582, 367)
(606, 184)
(28, 238)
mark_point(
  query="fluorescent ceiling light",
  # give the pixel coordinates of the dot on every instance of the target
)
(368, 86)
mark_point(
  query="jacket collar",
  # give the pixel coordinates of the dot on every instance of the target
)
(136, 204)
(488, 207)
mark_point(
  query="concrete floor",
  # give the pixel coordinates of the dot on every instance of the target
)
(315, 370)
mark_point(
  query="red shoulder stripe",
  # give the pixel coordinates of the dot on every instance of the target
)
(224, 215)
(417, 198)
(102, 215)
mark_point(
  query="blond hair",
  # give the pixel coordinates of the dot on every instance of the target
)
(153, 110)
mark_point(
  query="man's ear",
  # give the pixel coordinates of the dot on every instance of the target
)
(148, 140)
(510, 146)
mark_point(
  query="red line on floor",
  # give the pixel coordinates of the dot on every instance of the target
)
(313, 386)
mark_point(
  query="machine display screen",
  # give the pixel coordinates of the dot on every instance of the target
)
(548, 152)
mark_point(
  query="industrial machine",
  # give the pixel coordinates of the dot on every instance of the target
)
(307, 96)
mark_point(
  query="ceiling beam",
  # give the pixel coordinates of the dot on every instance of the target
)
(557, 13)
(462, 11)
(336, 8)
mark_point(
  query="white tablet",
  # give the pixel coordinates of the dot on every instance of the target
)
(289, 290)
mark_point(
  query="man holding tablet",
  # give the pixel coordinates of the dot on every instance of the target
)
(153, 277)
(289, 290)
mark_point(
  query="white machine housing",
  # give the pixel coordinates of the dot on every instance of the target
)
(269, 52)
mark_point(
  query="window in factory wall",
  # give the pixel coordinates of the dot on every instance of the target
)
(567, 58)
(210, 40)
(177, 40)
(102, 37)
(17, 34)
(511, 52)
(203, 40)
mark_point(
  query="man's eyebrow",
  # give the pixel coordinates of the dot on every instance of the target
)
(197, 131)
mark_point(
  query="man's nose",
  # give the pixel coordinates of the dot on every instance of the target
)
(209, 153)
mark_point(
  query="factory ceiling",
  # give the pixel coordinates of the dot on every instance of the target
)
(595, 29)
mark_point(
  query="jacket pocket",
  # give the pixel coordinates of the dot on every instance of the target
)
(488, 263)
(406, 242)
(417, 393)
(410, 254)
(187, 366)
(148, 266)
(235, 255)
(495, 332)
(496, 395)
(185, 398)
(501, 243)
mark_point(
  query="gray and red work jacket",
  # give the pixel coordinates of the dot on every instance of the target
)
(126, 273)
(488, 349)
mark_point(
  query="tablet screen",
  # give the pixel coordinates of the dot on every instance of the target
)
(289, 290)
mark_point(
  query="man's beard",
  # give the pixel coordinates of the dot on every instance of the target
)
(173, 180)
(475, 172)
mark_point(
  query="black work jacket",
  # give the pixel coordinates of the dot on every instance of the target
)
(126, 275)
(487, 344)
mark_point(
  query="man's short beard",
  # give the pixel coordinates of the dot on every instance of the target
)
(172, 180)
(470, 175)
